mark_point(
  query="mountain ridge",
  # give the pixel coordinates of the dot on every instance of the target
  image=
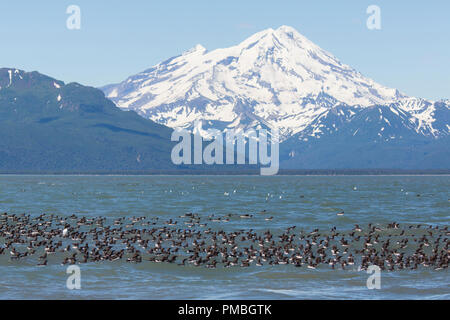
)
(49, 126)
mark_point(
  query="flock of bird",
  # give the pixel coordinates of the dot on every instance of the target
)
(201, 241)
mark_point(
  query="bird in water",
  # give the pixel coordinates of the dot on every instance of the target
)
(194, 242)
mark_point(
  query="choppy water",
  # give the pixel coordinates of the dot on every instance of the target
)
(308, 202)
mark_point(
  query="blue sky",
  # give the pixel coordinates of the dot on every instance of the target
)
(120, 38)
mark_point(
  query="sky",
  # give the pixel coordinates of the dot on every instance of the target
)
(411, 51)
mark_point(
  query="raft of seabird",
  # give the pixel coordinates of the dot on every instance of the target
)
(200, 241)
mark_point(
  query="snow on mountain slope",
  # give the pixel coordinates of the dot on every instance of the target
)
(424, 115)
(275, 78)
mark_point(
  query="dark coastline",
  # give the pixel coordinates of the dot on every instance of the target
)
(305, 172)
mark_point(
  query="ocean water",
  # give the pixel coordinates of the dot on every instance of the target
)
(307, 202)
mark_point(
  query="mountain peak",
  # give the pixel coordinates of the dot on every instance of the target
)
(281, 29)
(276, 76)
(282, 37)
(13, 78)
(290, 32)
(287, 29)
(18, 88)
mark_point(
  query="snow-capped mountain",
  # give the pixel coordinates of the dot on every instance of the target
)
(274, 78)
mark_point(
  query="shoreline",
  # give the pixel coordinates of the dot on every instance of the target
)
(312, 172)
